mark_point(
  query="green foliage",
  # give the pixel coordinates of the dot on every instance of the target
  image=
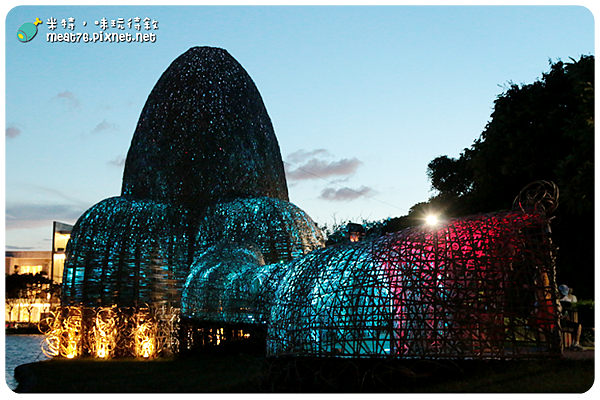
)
(543, 130)
(538, 131)
(576, 171)
(584, 304)
(334, 233)
(585, 309)
(337, 232)
(28, 286)
(450, 175)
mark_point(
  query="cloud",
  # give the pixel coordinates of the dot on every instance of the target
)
(27, 216)
(304, 165)
(104, 126)
(49, 193)
(9, 247)
(346, 194)
(12, 132)
(119, 161)
(302, 155)
(58, 206)
(72, 100)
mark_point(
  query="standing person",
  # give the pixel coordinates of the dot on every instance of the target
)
(567, 292)
(566, 321)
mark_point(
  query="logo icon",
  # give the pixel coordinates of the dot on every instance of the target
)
(28, 30)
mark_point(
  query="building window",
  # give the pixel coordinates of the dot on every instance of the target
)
(29, 269)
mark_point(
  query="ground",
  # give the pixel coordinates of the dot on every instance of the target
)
(253, 373)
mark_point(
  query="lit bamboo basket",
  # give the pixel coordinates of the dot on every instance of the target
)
(104, 334)
(108, 332)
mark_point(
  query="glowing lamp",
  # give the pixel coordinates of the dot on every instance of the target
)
(147, 348)
(431, 220)
(71, 351)
(101, 352)
(355, 232)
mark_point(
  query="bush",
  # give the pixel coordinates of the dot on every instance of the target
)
(585, 311)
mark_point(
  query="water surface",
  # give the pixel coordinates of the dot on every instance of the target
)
(21, 349)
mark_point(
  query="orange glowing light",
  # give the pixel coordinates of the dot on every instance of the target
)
(147, 348)
(103, 337)
(72, 331)
(148, 333)
(145, 336)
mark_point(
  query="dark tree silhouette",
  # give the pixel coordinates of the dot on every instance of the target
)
(538, 131)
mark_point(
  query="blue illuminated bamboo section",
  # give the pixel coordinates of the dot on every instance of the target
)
(127, 252)
(280, 230)
(241, 244)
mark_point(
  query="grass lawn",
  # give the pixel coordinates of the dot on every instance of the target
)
(252, 373)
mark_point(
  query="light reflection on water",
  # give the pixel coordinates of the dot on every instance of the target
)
(21, 349)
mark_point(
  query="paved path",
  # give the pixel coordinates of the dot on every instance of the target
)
(579, 355)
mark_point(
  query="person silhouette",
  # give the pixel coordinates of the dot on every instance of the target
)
(566, 315)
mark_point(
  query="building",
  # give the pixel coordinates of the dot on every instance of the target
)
(61, 233)
(28, 262)
(50, 263)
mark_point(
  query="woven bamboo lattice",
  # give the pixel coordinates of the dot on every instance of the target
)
(478, 287)
(204, 165)
(108, 332)
(127, 252)
(280, 230)
(244, 246)
(203, 222)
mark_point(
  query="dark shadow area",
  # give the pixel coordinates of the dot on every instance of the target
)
(230, 371)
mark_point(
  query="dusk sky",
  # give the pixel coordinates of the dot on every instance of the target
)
(361, 97)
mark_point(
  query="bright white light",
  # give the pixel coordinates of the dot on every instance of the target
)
(431, 219)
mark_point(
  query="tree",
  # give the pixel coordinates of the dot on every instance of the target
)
(538, 131)
(29, 287)
(543, 130)
(450, 175)
(577, 172)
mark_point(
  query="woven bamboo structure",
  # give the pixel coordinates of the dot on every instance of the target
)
(127, 252)
(203, 223)
(108, 332)
(477, 287)
(204, 166)
(280, 230)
